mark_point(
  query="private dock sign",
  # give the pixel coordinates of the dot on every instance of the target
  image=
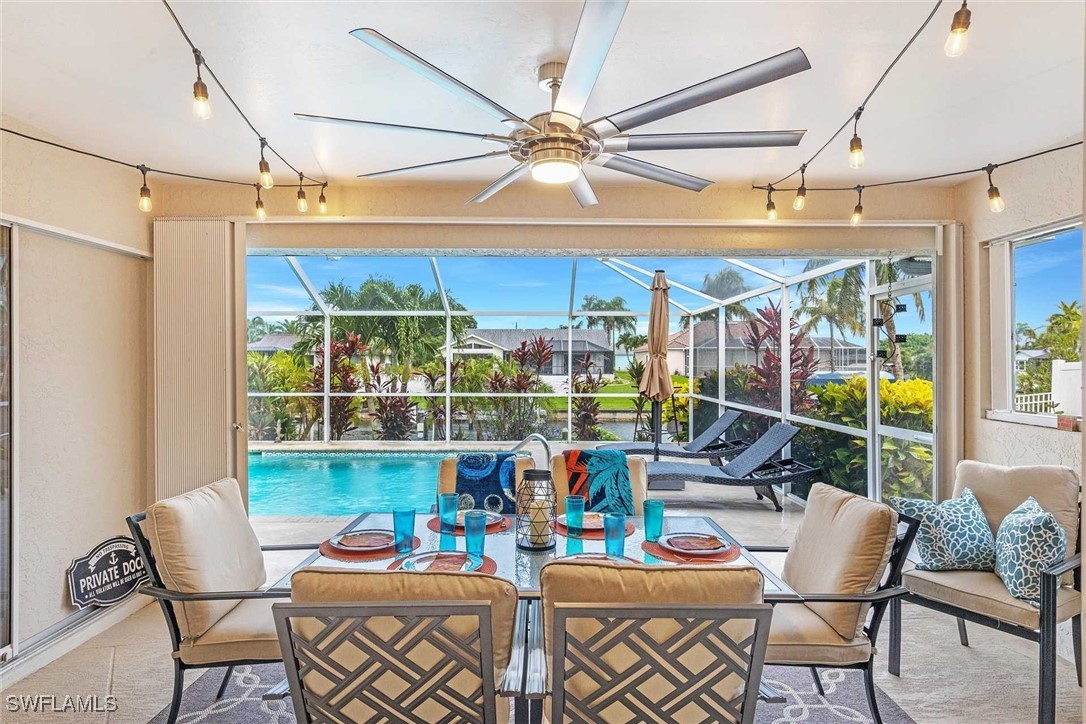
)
(106, 575)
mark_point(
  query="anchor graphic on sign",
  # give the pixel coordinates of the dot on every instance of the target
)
(112, 559)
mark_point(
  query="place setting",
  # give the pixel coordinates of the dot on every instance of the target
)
(452, 520)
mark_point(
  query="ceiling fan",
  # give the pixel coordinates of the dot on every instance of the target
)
(555, 145)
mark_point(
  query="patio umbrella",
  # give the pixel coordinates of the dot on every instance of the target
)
(656, 383)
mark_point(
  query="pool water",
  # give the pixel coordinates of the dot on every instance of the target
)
(341, 483)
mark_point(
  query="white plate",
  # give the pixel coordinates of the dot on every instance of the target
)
(592, 521)
(335, 540)
(421, 561)
(491, 518)
(665, 543)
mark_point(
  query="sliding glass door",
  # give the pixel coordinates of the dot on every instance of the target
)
(6, 593)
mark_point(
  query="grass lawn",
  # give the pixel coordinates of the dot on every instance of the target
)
(624, 384)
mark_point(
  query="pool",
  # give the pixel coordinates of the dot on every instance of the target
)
(340, 483)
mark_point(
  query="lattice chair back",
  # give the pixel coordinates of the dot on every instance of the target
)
(636, 663)
(389, 662)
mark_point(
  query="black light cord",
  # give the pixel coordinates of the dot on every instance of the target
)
(855, 116)
(201, 60)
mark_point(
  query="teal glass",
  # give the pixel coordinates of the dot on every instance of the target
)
(614, 534)
(574, 546)
(474, 532)
(575, 514)
(448, 504)
(403, 529)
(654, 520)
(447, 542)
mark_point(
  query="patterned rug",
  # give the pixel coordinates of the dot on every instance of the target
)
(844, 702)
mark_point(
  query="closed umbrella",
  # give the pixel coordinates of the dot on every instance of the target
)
(656, 384)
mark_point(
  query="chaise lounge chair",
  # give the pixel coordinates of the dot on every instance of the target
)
(752, 467)
(706, 445)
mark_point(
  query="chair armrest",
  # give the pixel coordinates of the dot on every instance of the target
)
(512, 684)
(166, 594)
(535, 680)
(1065, 566)
(277, 692)
(766, 549)
(886, 594)
(291, 547)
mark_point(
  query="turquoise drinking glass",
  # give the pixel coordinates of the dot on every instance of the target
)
(574, 546)
(575, 515)
(474, 532)
(448, 504)
(614, 534)
(403, 529)
(654, 520)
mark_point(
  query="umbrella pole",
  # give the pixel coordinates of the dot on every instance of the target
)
(657, 424)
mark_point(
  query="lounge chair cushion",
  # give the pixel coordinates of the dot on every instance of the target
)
(451, 480)
(202, 542)
(601, 582)
(983, 592)
(842, 546)
(800, 636)
(639, 482)
(330, 585)
(246, 632)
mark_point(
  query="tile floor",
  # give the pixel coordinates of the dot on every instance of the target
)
(994, 680)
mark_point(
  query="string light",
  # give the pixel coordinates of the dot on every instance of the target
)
(201, 107)
(303, 205)
(260, 212)
(958, 39)
(858, 212)
(770, 207)
(995, 201)
(145, 191)
(856, 146)
(266, 179)
(801, 193)
(321, 201)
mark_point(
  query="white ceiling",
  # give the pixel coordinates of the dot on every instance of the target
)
(116, 78)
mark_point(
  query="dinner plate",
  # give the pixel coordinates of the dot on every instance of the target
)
(665, 542)
(592, 521)
(491, 518)
(337, 540)
(423, 562)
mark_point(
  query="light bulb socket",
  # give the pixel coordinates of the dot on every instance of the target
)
(265, 175)
(301, 194)
(855, 144)
(857, 214)
(260, 212)
(995, 201)
(322, 202)
(771, 210)
(960, 24)
(801, 198)
(199, 90)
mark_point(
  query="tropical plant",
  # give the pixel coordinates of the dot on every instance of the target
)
(586, 410)
(675, 413)
(343, 377)
(763, 337)
(611, 325)
(642, 426)
(631, 340)
(723, 284)
(829, 302)
(394, 414)
(257, 328)
(1062, 334)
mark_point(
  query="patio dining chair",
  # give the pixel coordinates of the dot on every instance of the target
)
(754, 467)
(981, 597)
(205, 568)
(846, 565)
(710, 444)
(638, 482)
(397, 646)
(630, 643)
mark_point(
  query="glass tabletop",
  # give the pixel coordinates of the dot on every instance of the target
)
(522, 567)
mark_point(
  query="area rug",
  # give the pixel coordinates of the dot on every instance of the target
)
(844, 701)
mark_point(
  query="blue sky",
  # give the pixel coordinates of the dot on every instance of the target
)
(1045, 274)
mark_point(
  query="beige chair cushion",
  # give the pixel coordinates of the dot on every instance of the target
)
(597, 582)
(202, 542)
(800, 636)
(446, 474)
(639, 481)
(338, 585)
(842, 546)
(246, 632)
(983, 592)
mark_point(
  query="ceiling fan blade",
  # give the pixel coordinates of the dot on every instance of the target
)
(752, 76)
(396, 127)
(651, 171)
(405, 57)
(507, 178)
(582, 191)
(689, 141)
(450, 162)
(596, 31)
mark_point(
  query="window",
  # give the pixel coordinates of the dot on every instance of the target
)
(1037, 325)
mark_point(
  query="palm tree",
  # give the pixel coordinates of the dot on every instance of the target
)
(631, 340)
(722, 284)
(831, 306)
(610, 324)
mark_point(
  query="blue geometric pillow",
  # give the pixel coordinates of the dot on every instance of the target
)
(1028, 541)
(487, 480)
(953, 535)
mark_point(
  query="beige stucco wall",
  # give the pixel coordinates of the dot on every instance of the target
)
(1037, 192)
(84, 332)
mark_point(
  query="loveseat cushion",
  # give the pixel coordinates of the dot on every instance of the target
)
(245, 633)
(800, 636)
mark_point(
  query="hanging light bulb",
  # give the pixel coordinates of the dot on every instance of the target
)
(801, 193)
(265, 170)
(303, 205)
(321, 201)
(858, 212)
(260, 212)
(958, 39)
(200, 105)
(770, 207)
(995, 201)
(145, 192)
(856, 146)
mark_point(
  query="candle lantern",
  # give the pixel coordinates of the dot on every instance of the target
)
(536, 507)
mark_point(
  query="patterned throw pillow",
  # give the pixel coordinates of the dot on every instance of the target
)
(486, 480)
(1028, 541)
(602, 477)
(953, 535)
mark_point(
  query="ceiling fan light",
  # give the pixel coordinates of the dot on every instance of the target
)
(555, 163)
